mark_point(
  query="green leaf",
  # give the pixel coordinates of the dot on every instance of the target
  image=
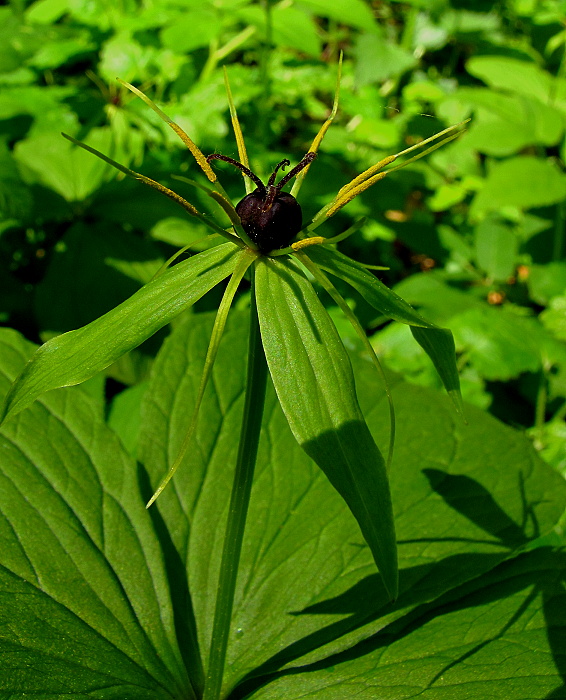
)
(84, 599)
(180, 232)
(546, 281)
(58, 51)
(429, 290)
(465, 498)
(379, 60)
(511, 74)
(319, 400)
(373, 291)
(436, 342)
(496, 248)
(57, 164)
(46, 11)
(521, 182)
(93, 268)
(353, 13)
(78, 355)
(291, 27)
(554, 318)
(45, 104)
(446, 196)
(501, 346)
(503, 637)
(505, 124)
(124, 416)
(15, 197)
(192, 29)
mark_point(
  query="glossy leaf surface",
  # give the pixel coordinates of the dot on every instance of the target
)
(84, 595)
(501, 637)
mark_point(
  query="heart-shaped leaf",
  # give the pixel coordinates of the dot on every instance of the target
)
(465, 497)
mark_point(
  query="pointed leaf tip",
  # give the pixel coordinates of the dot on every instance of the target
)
(74, 357)
(319, 401)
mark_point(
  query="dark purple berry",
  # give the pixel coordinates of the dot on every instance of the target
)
(271, 218)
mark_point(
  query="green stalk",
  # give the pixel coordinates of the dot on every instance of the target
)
(264, 104)
(558, 244)
(239, 501)
(540, 410)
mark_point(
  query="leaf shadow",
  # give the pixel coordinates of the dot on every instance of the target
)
(484, 590)
(472, 500)
(552, 590)
(366, 601)
(556, 633)
(183, 611)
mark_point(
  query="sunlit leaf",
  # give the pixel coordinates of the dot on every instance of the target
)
(437, 342)
(318, 397)
(85, 604)
(78, 355)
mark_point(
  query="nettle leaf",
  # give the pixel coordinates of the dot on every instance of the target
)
(505, 124)
(437, 342)
(354, 13)
(465, 498)
(511, 74)
(75, 356)
(501, 345)
(85, 606)
(496, 247)
(315, 385)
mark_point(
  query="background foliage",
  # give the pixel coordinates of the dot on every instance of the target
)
(474, 236)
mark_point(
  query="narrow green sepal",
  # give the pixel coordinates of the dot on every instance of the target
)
(437, 342)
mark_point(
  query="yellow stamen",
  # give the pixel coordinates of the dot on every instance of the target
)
(169, 193)
(306, 242)
(322, 132)
(365, 175)
(193, 148)
(354, 192)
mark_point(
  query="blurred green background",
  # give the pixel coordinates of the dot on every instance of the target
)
(474, 235)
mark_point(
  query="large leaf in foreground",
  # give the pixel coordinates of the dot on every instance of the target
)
(502, 638)
(437, 342)
(465, 498)
(85, 609)
(84, 602)
(75, 356)
(314, 382)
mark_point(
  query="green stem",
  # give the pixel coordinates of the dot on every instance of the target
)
(264, 74)
(239, 501)
(540, 410)
(558, 243)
